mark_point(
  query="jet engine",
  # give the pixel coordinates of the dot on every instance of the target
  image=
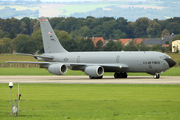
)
(57, 69)
(94, 71)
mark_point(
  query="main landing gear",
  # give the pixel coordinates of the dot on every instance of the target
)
(90, 77)
(120, 75)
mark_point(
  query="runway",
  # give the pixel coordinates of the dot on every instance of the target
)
(86, 80)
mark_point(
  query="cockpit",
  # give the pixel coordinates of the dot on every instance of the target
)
(165, 57)
(168, 59)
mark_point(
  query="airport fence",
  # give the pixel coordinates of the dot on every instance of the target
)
(17, 65)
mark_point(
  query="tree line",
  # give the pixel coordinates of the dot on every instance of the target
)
(24, 35)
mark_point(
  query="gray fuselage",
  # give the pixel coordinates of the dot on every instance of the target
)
(149, 62)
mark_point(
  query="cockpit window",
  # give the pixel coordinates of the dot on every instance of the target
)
(165, 56)
(162, 57)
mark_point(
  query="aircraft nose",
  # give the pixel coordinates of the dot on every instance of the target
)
(170, 61)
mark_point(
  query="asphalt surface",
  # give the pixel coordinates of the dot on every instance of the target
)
(86, 80)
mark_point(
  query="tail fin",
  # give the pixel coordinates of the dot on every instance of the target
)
(50, 40)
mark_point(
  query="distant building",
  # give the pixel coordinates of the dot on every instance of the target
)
(176, 46)
(165, 45)
(96, 39)
(107, 41)
(125, 41)
(152, 41)
(158, 41)
(137, 41)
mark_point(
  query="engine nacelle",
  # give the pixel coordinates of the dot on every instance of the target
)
(94, 71)
(57, 69)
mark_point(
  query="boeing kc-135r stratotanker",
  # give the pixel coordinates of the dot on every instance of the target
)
(57, 60)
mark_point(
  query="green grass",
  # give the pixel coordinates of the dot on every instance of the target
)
(92, 102)
(15, 57)
(23, 71)
(38, 71)
(174, 56)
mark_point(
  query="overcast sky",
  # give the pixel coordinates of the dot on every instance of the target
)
(65, 0)
(82, 0)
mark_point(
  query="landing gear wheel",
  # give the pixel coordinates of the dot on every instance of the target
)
(157, 76)
(100, 77)
(120, 75)
(116, 75)
(124, 75)
(90, 77)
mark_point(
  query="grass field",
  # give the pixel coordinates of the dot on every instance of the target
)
(92, 102)
(174, 56)
(15, 57)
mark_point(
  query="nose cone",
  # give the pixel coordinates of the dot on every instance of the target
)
(170, 61)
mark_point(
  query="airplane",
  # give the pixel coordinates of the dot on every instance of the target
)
(58, 60)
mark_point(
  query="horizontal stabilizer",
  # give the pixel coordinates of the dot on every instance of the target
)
(40, 56)
(21, 62)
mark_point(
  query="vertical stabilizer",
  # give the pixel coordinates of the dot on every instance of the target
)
(50, 40)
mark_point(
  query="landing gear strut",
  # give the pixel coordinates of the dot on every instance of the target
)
(120, 75)
(156, 76)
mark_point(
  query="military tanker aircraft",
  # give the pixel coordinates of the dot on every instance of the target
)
(57, 59)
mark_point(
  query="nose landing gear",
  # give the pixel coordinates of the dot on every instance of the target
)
(156, 76)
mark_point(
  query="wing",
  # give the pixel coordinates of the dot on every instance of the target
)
(107, 67)
(78, 66)
(103, 65)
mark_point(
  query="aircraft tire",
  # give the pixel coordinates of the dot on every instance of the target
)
(90, 77)
(157, 76)
(120, 75)
(124, 75)
(100, 77)
(116, 75)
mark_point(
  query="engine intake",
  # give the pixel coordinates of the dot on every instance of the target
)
(57, 69)
(94, 71)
